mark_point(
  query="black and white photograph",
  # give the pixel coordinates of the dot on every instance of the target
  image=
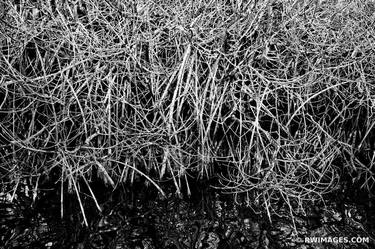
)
(187, 124)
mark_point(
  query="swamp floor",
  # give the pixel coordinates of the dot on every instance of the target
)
(140, 218)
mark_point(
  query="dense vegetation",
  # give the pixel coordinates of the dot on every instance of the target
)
(274, 99)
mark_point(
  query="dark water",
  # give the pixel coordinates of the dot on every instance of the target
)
(139, 217)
